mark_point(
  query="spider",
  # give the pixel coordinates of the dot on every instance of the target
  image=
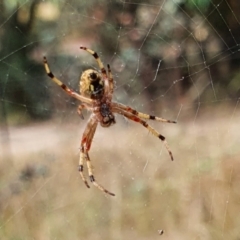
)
(96, 92)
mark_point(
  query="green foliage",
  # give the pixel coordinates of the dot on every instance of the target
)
(20, 75)
(199, 4)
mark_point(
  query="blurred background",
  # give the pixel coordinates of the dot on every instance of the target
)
(177, 59)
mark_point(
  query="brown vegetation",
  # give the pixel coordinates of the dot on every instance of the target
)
(194, 197)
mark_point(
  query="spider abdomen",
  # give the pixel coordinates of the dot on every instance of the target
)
(91, 84)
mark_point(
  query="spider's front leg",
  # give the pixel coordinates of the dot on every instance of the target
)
(81, 107)
(63, 86)
(85, 147)
(79, 111)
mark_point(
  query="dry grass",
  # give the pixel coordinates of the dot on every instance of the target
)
(195, 197)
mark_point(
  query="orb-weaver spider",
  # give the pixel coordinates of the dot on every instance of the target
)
(96, 91)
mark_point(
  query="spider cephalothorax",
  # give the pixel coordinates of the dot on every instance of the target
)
(96, 90)
(107, 116)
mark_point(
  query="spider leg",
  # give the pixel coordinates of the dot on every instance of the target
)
(85, 147)
(92, 178)
(87, 135)
(63, 86)
(100, 64)
(81, 107)
(80, 167)
(79, 111)
(145, 124)
(111, 83)
(140, 114)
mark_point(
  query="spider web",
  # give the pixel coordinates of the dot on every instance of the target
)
(177, 59)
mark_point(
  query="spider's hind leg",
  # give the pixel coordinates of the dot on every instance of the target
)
(140, 114)
(92, 178)
(146, 125)
(86, 138)
(85, 147)
(80, 168)
(111, 82)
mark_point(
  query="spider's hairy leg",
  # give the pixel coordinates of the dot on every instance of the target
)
(145, 124)
(140, 114)
(79, 111)
(87, 137)
(110, 77)
(95, 55)
(92, 178)
(80, 167)
(101, 66)
(63, 86)
(81, 107)
(85, 147)
(50, 74)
